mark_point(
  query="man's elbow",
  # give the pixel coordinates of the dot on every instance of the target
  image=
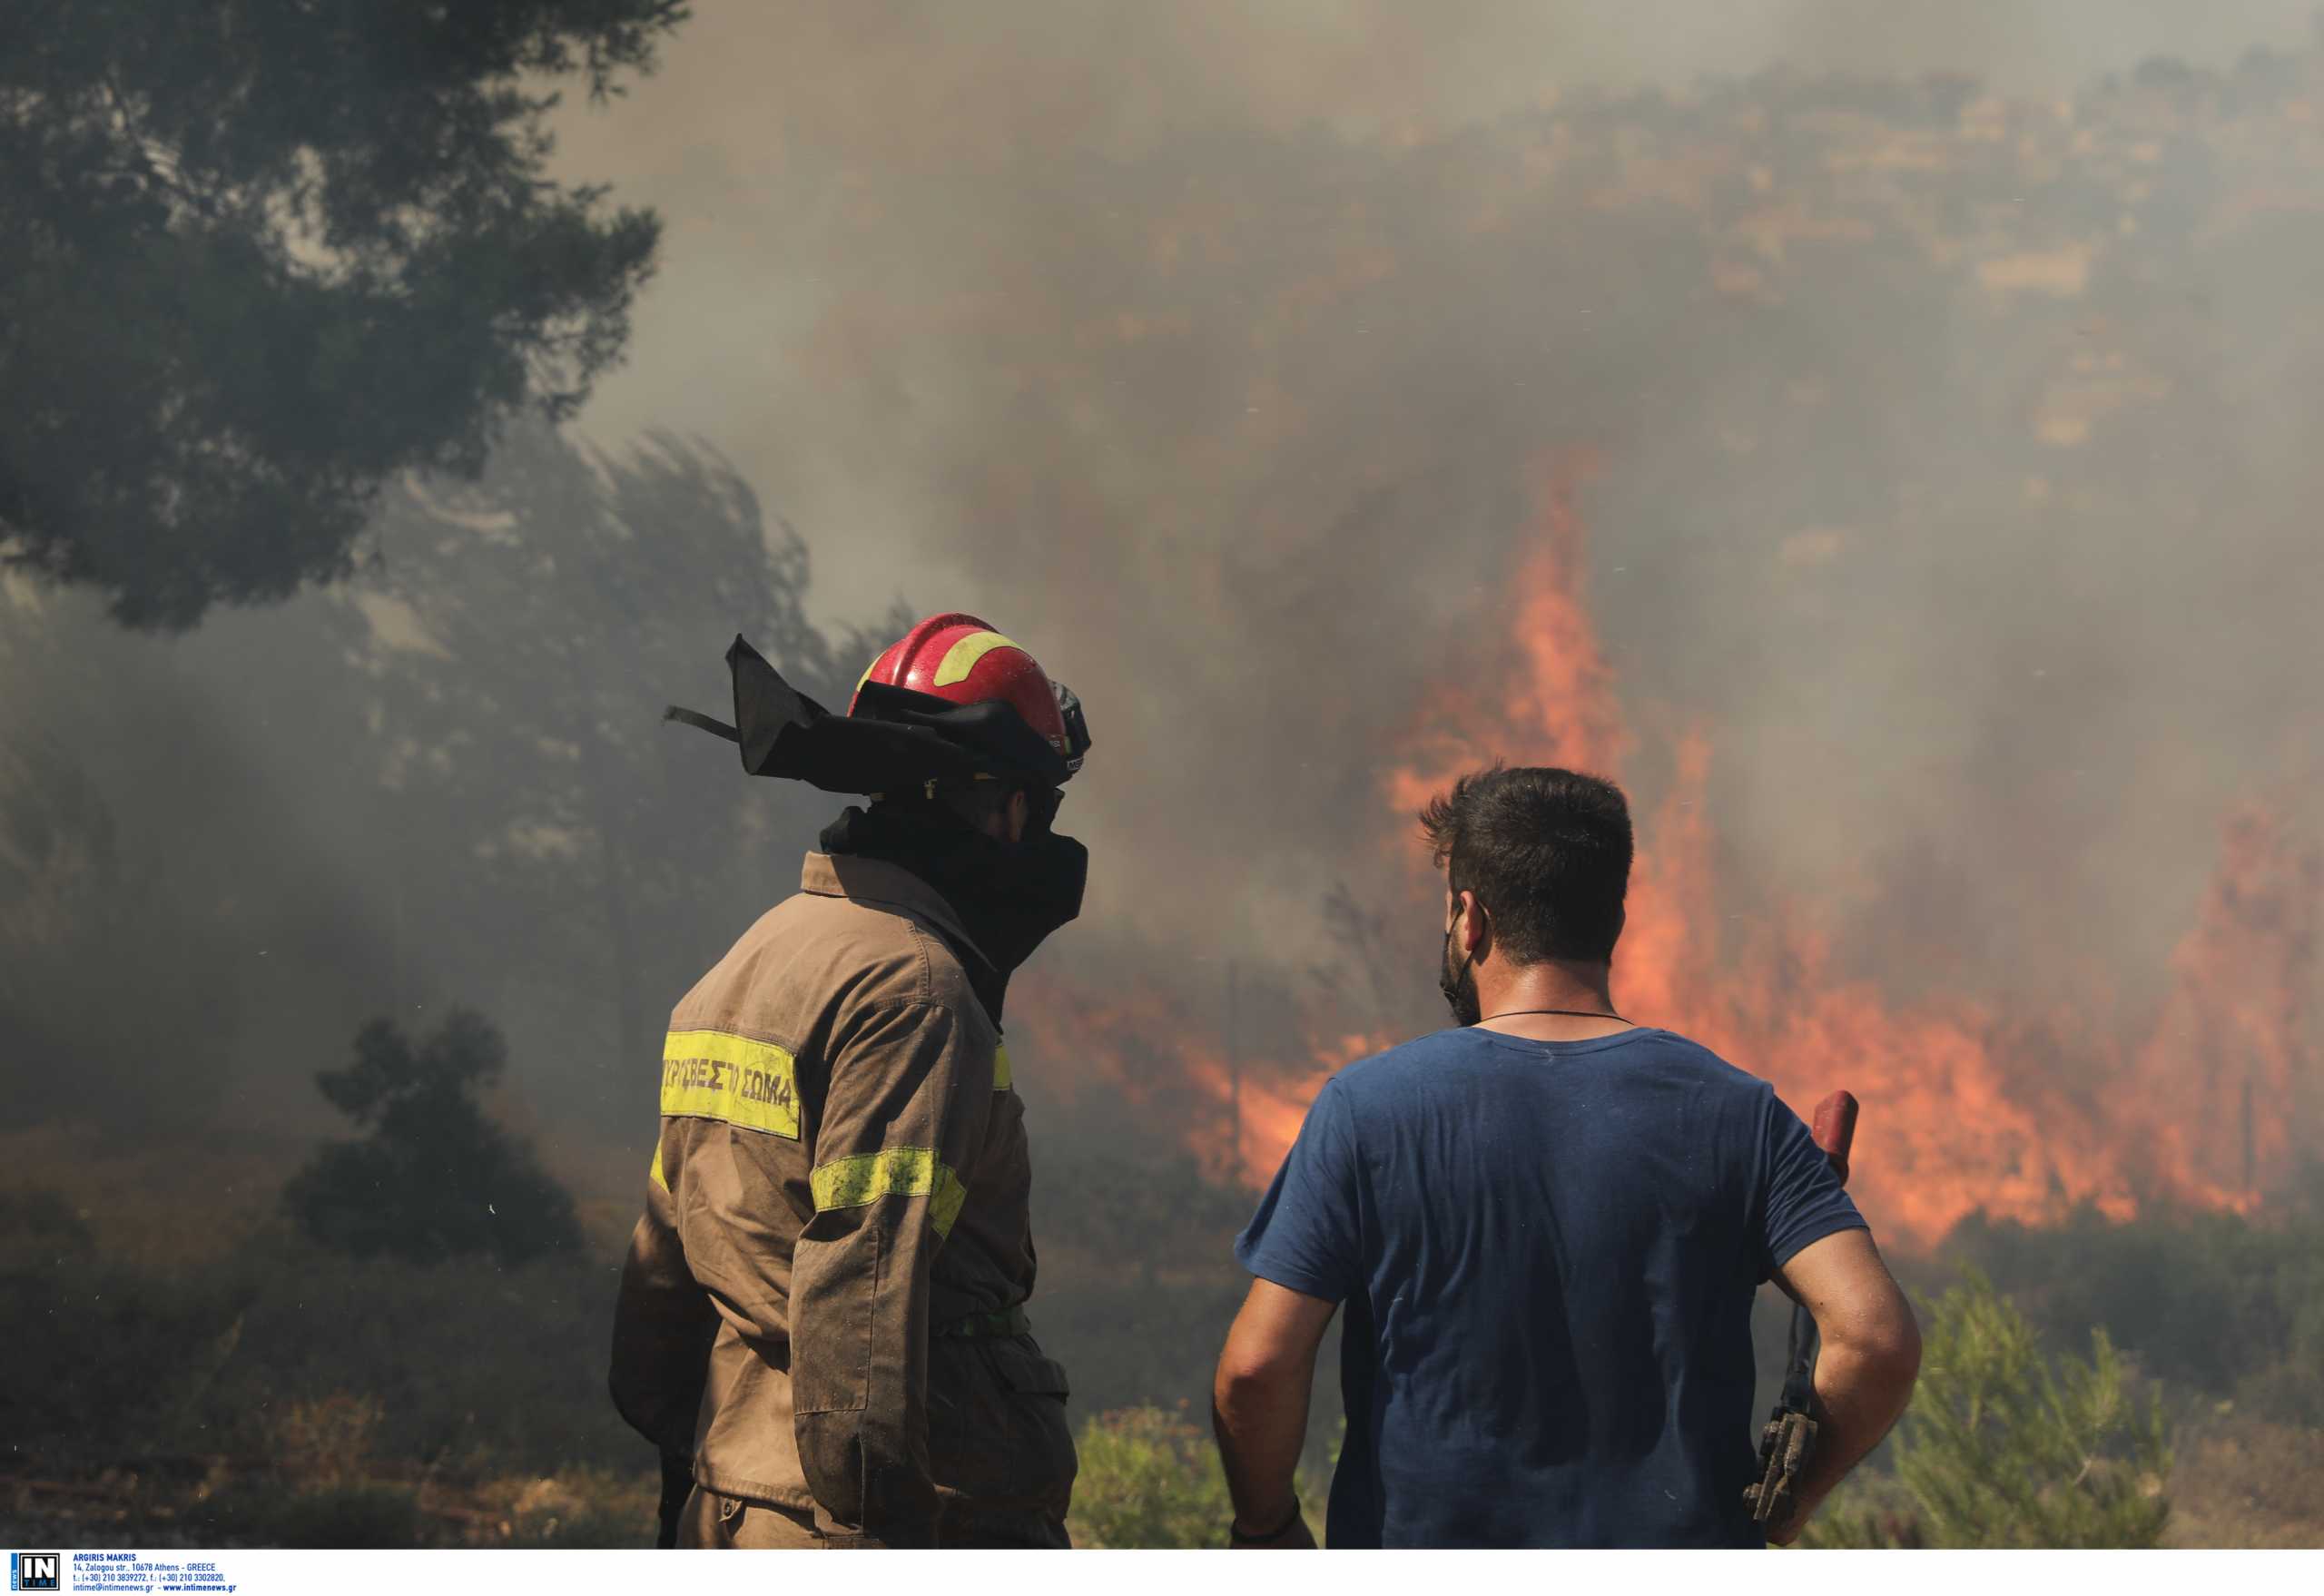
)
(1901, 1347)
(1252, 1376)
(1884, 1344)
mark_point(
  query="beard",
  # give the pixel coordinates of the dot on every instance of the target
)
(1458, 985)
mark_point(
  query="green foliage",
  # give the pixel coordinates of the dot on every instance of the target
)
(1149, 1479)
(2211, 1302)
(2006, 1447)
(264, 256)
(435, 1177)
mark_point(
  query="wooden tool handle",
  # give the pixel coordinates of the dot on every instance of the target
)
(1834, 1128)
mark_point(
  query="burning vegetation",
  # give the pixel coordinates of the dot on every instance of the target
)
(1972, 1110)
(1899, 334)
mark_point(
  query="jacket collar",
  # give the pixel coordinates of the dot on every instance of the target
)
(883, 885)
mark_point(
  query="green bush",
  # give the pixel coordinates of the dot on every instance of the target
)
(2005, 1447)
(1149, 1479)
(2214, 1304)
(435, 1177)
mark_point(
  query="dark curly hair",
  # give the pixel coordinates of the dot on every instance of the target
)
(1546, 851)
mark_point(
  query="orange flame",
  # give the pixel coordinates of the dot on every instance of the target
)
(1961, 1115)
(1560, 708)
(2231, 1057)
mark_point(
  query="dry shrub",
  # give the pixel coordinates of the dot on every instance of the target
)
(2244, 1482)
(325, 1442)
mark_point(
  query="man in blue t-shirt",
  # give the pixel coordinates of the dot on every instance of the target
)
(1548, 1226)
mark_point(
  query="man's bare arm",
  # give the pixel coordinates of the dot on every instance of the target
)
(1259, 1405)
(1871, 1355)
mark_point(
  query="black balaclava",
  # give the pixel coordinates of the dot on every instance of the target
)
(1009, 896)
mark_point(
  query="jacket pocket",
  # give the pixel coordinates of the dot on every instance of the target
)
(1036, 1376)
(998, 1433)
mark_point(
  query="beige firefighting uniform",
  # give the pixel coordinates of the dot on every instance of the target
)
(842, 1172)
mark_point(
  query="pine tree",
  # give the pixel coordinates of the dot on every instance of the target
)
(2004, 1446)
(435, 1177)
(262, 258)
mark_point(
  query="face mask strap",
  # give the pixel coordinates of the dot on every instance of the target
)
(1450, 982)
(1467, 958)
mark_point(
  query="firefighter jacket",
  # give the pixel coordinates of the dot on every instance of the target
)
(837, 1209)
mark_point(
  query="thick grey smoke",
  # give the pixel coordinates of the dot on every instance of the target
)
(1951, 454)
(1950, 459)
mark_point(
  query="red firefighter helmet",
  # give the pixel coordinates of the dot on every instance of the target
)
(964, 660)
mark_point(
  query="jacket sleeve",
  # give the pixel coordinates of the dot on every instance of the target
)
(662, 1326)
(910, 1092)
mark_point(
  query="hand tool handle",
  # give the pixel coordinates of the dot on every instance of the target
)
(1834, 1128)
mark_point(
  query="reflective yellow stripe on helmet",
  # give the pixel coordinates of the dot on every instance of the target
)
(713, 1075)
(962, 657)
(866, 1178)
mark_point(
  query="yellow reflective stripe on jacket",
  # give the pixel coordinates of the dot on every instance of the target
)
(1002, 1076)
(654, 1173)
(712, 1075)
(852, 1182)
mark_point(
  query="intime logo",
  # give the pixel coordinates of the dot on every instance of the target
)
(35, 1571)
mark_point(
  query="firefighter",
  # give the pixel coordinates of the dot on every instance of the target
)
(822, 1319)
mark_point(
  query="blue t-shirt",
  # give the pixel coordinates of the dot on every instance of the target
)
(1547, 1253)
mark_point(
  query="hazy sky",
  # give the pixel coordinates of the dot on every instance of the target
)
(765, 122)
